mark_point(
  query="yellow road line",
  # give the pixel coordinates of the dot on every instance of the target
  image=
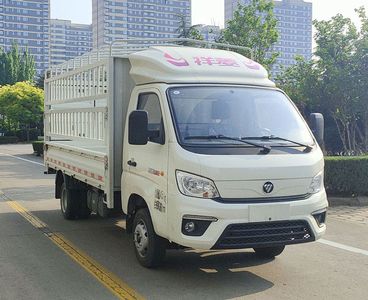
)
(109, 280)
(36, 222)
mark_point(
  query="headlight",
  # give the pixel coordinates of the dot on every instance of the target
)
(196, 186)
(316, 184)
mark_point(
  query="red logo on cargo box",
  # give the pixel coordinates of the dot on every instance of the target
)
(251, 64)
(179, 62)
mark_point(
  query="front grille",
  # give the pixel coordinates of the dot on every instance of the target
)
(251, 235)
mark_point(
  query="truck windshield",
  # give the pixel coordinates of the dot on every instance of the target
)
(236, 112)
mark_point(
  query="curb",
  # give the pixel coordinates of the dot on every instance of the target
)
(348, 201)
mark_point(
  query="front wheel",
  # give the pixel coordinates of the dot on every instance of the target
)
(269, 252)
(150, 249)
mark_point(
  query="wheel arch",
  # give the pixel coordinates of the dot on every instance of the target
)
(135, 202)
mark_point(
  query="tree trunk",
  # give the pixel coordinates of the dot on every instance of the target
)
(27, 131)
(348, 137)
(341, 132)
(360, 133)
(9, 125)
(354, 143)
(365, 131)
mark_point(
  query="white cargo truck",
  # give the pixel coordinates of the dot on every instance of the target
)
(195, 145)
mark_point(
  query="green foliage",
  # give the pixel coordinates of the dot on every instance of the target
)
(40, 81)
(16, 66)
(300, 82)
(38, 147)
(21, 107)
(8, 140)
(254, 26)
(336, 81)
(346, 176)
(186, 31)
(194, 33)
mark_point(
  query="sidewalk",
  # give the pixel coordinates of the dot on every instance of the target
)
(355, 214)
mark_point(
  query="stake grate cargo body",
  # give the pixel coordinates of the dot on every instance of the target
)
(82, 106)
(86, 100)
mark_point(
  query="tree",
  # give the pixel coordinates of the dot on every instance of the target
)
(360, 84)
(254, 26)
(300, 82)
(40, 81)
(303, 85)
(336, 43)
(335, 82)
(186, 31)
(21, 105)
(16, 66)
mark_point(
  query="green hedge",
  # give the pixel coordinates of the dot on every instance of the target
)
(346, 175)
(38, 147)
(8, 139)
(33, 134)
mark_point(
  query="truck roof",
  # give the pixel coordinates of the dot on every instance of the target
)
(174, 64)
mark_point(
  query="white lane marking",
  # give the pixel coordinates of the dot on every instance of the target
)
(27, 160)
(343, 247)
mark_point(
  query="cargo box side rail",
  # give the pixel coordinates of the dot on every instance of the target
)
(77, 124)
(88, 83)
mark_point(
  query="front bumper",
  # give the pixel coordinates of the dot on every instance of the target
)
(288, 213)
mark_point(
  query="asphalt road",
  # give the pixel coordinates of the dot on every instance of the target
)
(43, 256)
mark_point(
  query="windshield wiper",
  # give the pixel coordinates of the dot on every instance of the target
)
(265, 148)
(308, 148)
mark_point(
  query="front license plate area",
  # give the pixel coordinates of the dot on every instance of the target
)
(270, 212)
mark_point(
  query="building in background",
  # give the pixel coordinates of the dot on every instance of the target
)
(294, 27)
(123, 19)
(26, 22)
(68, 40)
(209, 32)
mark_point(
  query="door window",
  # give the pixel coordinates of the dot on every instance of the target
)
(151, 104)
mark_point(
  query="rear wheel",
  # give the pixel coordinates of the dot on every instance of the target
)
(150, 249)
(269, 252)
(73, 203)
(69, 207)
(83, 211)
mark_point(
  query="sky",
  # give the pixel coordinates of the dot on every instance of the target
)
(206, 11)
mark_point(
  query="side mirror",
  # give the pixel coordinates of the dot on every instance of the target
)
(138, 127)
(317, 124)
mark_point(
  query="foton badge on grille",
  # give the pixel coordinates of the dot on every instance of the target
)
(268, 187)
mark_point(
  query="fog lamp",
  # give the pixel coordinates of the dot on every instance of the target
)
(189, 226)
(320, 217)
(195, 225)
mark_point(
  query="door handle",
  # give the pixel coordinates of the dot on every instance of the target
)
(132, 163)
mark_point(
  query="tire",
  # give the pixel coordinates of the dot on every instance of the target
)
(68, 205)
(269, 252)
(150, 249)
(73, 203)
(83, 211)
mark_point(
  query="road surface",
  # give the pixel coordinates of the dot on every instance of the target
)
(43, 256)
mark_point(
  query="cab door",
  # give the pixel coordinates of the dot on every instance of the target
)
(146, 165)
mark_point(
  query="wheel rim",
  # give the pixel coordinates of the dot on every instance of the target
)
(141, 238)
(64, 201)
